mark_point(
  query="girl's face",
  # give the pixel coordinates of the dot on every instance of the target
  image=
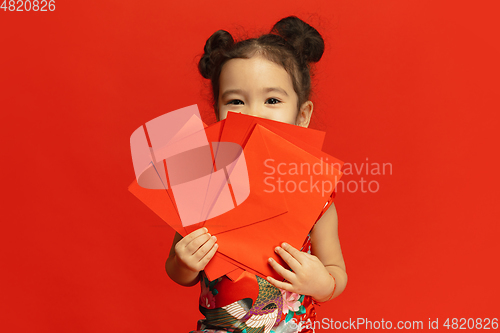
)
(260, 88)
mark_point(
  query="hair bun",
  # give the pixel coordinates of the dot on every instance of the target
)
(215, 45)
(306, 40)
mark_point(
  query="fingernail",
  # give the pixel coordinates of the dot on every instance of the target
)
(208, 234)
(284, 245)
(277, 249)
(206, 230)
(215, 238)
(270, 259)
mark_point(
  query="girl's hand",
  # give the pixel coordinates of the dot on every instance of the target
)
(196, 250)
(308, 276)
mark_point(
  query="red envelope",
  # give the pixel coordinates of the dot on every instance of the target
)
(240, 127)
(248, 233)
(252, 245)
(308, 139)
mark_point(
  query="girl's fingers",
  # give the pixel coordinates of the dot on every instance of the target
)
(291, 260)
(296, 253)
(279, 284)
(205, 248)
(196, 243)
(184, 242)
(285, 273)
(196, 233)
(206, 259)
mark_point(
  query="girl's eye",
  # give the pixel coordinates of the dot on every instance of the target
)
(235, 102)
(273, 101)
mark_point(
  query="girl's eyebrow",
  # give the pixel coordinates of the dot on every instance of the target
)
(281, 90)
(231, 91)
(266, 90)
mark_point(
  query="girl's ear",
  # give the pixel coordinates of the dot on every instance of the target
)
(305, 113)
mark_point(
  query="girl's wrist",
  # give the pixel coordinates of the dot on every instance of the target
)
(183, 274)
(330, 295)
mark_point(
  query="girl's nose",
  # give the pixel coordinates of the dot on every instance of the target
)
(255, 111)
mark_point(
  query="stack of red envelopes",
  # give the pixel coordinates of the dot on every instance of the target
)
(252, 182)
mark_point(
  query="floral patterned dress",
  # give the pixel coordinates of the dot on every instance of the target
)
(253, 305)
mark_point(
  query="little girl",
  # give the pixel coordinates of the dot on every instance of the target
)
(266, 77)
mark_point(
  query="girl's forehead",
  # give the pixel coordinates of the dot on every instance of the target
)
(254, 72)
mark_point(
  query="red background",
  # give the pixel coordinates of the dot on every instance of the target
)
(411, 83)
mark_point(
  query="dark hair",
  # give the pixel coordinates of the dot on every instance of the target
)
(291, 43)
